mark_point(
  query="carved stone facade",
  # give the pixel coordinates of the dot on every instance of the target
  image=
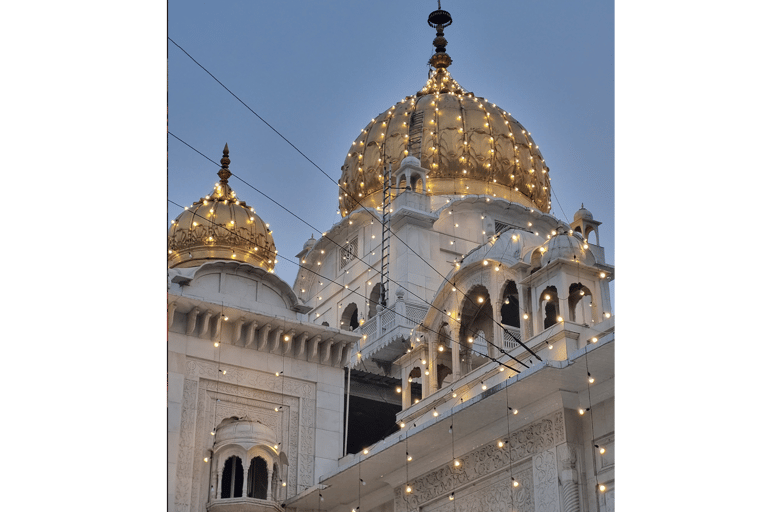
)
(242, 393)
(486, 468)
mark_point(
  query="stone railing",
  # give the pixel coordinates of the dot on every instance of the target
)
(511, 337)
(402, 314)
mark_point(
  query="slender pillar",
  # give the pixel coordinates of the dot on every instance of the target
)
(269, 483)
(245, 479)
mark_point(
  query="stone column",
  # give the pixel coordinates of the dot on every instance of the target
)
(569, 478)
(432, 367)
(406, 387)
(218, 481)
(245, 478)
(269, 483)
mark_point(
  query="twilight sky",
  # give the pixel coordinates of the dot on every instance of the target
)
(319, 71)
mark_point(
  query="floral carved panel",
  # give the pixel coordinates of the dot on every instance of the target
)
(546, 494)
(534, 440)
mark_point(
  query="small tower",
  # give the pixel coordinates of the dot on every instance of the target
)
(584, 223)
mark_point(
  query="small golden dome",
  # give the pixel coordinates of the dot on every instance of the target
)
(220, 227)
(466, 143)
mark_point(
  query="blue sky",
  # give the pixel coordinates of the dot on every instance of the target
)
(319, 71)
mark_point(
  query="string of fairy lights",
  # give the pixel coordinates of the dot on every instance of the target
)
(487, 124)
(602, 450)
(458, 342)
(434, 165)
(371, 268)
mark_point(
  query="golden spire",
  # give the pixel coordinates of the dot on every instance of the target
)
(440, 19)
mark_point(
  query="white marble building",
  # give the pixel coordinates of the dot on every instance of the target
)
(491, 333)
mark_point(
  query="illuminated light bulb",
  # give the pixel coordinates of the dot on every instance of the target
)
(435, 414)
(594, 340)
(515, 411)
(416, 401)
(398, 389)
(581, 411)
(402, 424)
(454, 395)
(365, 451)
(410, 379)
(470, 339)
(408, 489)
(602, 488)
(515, 483)
(550, 346)
(205, 459)
(485, 262)
(423, 361)
(591, 379)
(607, 315)
(547, 297)
(215, 343)
(409, 457)
(501, 368)
(602, 275)
(484, 386)
(586, 246)
(451, 496)
(559, 319)
(213, 432)
(500, 444)
(480, 300)
(283, 484)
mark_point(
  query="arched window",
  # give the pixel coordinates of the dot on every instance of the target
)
(510, 308)
(232, 478)
(579, 310)
(258, 478)
(550, 305)
(373, 300)
(349, 321)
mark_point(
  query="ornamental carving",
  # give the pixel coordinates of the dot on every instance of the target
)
(242, 393)
(467, 142)
(536, 438)
(546, 496)
(186, 447)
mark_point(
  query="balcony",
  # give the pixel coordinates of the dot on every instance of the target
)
(387, 326)
(243, 505)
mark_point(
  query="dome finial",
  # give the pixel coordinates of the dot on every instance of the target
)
(224, 172)
(440, 19)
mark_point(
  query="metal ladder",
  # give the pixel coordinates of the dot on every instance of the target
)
(385, 234)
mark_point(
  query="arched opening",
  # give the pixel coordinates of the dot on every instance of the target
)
(510, 307)
(535, 261)
(232, 478)
(476, 317)
(549, 306)
(588, 231)
(349, 321)
(373, 300)
(579, 310)
(258, 478)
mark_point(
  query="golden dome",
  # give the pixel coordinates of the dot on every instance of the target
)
(220, 227)
(468, 145)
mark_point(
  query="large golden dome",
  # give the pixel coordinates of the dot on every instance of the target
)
(220, 227)
(468, 145)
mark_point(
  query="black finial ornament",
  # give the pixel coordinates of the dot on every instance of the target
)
(225, 173)
(440, 19)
